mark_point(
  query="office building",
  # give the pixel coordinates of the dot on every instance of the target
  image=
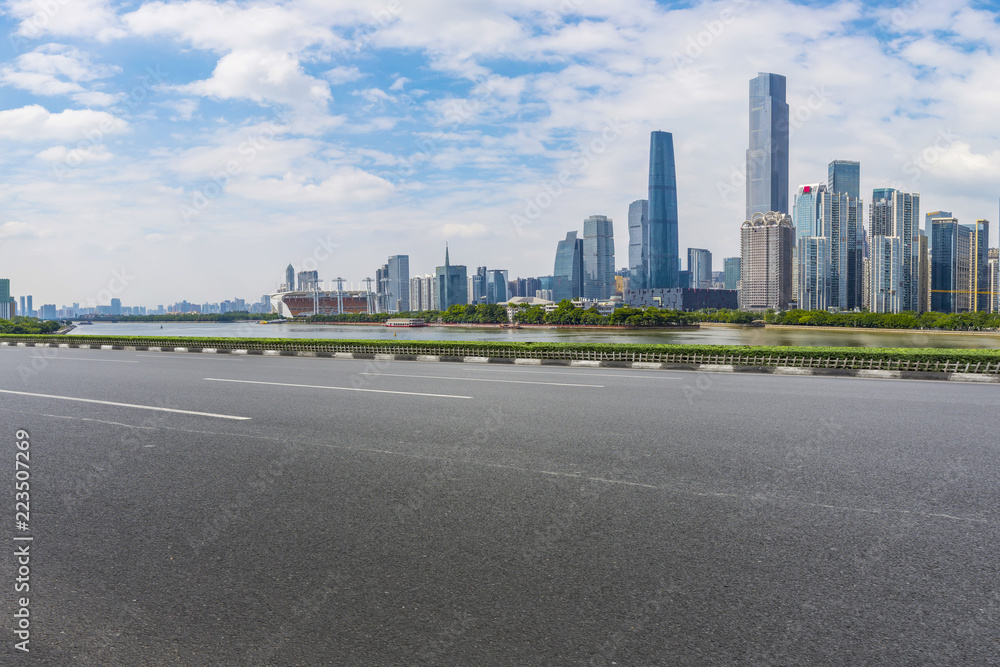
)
(398, 292)
(767, 156)
(813, 257)
(766, 244)
(700, 267)
(452, 288)
(567, 274)
(23, 311)
(477, 291)
(887, 279)
(496, 286)
(638, 243)
(664, 249)
(806, 213)
(598, 257)
(951, 266)
(289, 279)
(308, 281)
(925, 272)
(731, 273)
(30, 312)
(844, 177)
(897, 214)
(841, 223)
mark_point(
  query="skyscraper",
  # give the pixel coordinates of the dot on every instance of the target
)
(981, 266)
(23, 311)
(841, 219)
(813, 257)
(399, 283)
(567, 274)
(732, 272)
(766, 244)
(897, 214)
(700, 266)
(664, 249)
(638, 243)
(844, 177)
(6, 300)
(452, 286)
(993, 266)
(767, 156)
(289, 279)
(598, 257)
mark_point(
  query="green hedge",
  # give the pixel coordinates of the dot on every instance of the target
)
(558, 350)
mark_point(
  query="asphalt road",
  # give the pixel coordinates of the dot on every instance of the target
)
(221, 510)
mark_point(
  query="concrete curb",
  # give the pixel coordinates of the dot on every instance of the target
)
(980, 378)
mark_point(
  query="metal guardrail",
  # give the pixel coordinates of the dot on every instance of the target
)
(799, 361)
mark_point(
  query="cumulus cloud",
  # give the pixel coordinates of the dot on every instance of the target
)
(79, 18)
(36, 123)
(345, 185)
(56, 69)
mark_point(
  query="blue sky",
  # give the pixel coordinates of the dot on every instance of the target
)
(200, 146)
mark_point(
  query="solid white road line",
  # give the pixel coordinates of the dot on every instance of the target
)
(107, 361)
(316, 386)
(444, 377)
(125, 405)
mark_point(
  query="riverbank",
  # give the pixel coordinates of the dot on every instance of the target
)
(947, 332)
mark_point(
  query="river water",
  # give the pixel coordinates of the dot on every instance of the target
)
(705, 336)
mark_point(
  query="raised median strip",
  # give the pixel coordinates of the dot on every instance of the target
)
(962, 365)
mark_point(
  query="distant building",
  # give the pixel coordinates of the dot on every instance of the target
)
(925, 272)
(308, 281)
(7, 305)
(897, 214)
(398, 296)
(844, 177)
(767, 156)
(766, 244)
(663, 251)
(700, 267)
(638, 243)
(812, 254)
(452, 287)
(598, 257)
(993, 268)
(289, 279)
(981, 266)
(732, 272)
(679, 298)
(887, 280)
(496, 285)
(952, 247)
(567, 274)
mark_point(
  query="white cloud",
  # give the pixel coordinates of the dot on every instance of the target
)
(56, 69)
(73, 18)
(346, 185)
(341, 75)
(35, 123)
(75, 156)
(19, 230)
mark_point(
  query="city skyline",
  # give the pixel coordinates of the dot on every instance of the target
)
(205, 171)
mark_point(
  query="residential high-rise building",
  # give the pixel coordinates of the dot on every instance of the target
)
(766, 243)
(841, 219)
(598, 257)
(638, 243)
(452, 287)
(732, 272)
(289, 279)
(886, 282)
(897, 214)
(567, 274)
(700, 266)
(399, 283)
(767, 156)
(844, 177)
(664, 248)
(813, 257)
(806, 213)
(382, 289)
(993, 267)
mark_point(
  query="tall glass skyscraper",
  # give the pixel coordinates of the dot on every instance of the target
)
(767, 157)
(399, 283)
(598, 257)
(844, 178)
(567, 275)
(664, 251)
(638, 244)
(700, 268)
(897, 214)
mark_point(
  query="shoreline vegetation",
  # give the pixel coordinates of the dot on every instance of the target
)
(565, 315)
